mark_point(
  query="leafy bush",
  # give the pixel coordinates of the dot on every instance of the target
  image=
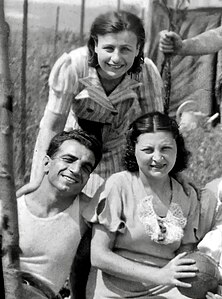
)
(205, 145)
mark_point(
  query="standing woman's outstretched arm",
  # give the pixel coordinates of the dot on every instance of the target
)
(61, 86)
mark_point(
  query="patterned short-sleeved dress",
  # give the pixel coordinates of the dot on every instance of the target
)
(129, 211)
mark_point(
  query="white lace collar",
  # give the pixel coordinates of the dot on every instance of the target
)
(164, 230)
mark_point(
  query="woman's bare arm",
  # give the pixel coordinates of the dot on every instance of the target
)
(105, 259)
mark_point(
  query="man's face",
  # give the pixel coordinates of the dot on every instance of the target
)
(69, 169)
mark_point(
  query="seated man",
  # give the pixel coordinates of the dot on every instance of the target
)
(49, 218)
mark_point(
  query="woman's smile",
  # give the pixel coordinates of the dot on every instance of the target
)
(156, 154)
(157, 166)
(116, 53)
(115, 66)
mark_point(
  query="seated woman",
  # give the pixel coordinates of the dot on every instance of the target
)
(144, 220)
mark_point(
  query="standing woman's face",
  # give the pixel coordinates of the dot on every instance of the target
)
(116, 53)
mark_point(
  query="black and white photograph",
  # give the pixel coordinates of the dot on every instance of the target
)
(111, 149)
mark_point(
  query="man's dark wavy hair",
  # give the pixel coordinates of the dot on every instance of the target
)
(150, 123)
(115, 22)
(89, 141)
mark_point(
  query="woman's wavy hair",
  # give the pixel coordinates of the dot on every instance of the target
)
(115, 22)
(151, 123)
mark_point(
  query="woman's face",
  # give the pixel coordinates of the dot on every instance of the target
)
(156, 154)
(116, 53)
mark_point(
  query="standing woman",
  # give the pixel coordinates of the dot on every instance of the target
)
(97, 88)
(144, 219)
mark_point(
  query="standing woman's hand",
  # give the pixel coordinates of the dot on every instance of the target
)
(178, 267)
(170, 42)
(28, 188)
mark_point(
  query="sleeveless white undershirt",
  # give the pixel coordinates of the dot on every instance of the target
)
(49, 244)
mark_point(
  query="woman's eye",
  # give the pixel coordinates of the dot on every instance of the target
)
(108, 49)
(148, 150)
(125, 50)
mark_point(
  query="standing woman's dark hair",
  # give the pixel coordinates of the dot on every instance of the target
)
(151, 123)
(115, 22)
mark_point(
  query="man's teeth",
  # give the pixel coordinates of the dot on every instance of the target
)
(70, 179)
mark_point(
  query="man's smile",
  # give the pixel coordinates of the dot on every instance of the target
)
(71, 179)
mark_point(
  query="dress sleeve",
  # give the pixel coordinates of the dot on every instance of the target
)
(106, 208)
(192, 220)
(151, 90)
(63, 81)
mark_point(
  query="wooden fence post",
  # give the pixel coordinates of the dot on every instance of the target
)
(118, 5)
(9, 219)
(56, 33)
(22, 166)
(82, 23)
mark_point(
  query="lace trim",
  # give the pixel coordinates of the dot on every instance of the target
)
(161, 230)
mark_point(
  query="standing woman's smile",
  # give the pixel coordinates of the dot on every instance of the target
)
(116, 53)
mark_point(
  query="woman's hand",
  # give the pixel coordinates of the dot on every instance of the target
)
(213, 296)
(170, 42)
(28, 188)
(178, 267)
